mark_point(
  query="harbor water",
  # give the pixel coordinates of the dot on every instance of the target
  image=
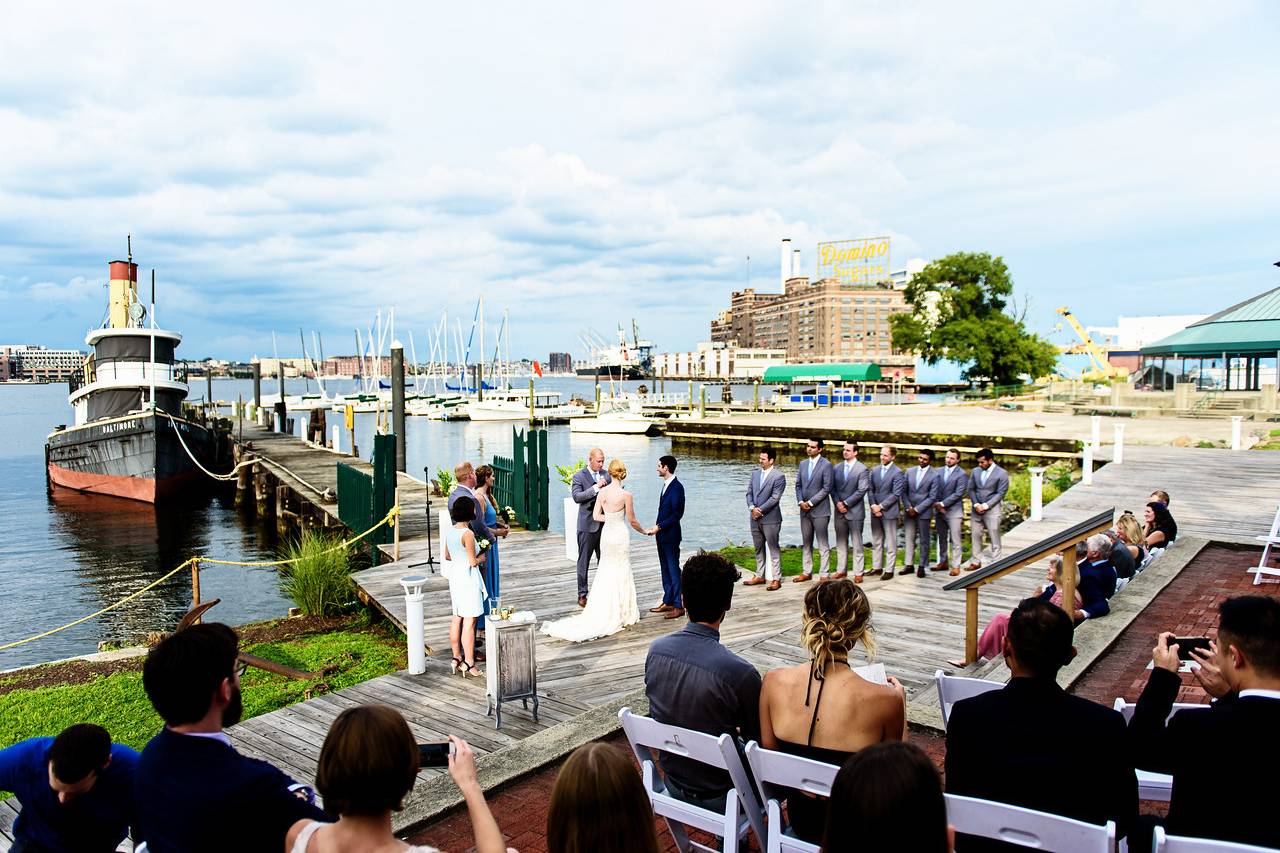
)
(64, 555)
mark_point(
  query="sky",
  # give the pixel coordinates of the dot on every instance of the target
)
(289, 165)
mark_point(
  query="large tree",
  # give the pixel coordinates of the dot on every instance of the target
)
(961, 313)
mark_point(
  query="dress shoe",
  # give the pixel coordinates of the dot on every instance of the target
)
(582, 601)
(840, 575)
(974, 566)
(941, 567)
(907, 570)
(661, 608)
(886, 576)
(774, 584)
(676, 613)
(824, 578)
(920, 572)
(857, 578)
(801, 578)
(954, 571)
(873, 573)
(755, 581)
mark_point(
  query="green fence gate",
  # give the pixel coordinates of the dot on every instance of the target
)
(521, 481)
(364, 499)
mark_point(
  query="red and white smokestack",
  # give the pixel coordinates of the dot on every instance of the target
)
(795, 263)
(122, 292)
(785, 272)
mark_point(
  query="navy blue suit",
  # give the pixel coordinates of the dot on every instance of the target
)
(1097, 584)
(670, 511)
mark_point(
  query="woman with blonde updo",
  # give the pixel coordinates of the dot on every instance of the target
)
(822, 709)
(611, 603)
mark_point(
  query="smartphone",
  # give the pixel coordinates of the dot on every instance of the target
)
(1186, 644)
(434, 754)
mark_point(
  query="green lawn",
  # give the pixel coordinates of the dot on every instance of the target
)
(744, 556)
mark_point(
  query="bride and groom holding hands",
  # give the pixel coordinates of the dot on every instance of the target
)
(604, 511)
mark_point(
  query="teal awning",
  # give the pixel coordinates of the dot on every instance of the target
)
(1251, 327)
(839, 372)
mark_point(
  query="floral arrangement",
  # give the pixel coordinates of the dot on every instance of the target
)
(482, 545)
(566, 472)
(508, 515)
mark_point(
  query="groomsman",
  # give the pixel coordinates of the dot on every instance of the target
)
(887, 488)
(849, 485)
(813, 495)
(666, 531)
(922, 494)
(950, 512)
(987, 488)
(583, 488)
(764, 492)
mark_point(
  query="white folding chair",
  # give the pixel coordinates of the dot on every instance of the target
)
(1182, 844)
(953, 688)
(742, 810)
(1154, 786)
(778, 769)
(1271, 540)
(1027, 827)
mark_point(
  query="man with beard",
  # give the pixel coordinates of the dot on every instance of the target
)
(194, 792)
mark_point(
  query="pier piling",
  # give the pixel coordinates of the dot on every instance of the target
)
(257, 385)
(397, 400)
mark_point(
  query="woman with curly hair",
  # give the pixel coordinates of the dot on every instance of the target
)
(822, 709)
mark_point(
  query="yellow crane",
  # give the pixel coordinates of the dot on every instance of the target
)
(1102, 369)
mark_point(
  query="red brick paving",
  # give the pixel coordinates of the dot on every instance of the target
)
(1187, 606)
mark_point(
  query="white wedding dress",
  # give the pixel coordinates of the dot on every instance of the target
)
(611, 603)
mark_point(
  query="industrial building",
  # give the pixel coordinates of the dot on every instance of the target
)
(24, 362)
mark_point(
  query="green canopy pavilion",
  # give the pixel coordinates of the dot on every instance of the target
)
(1233, 350)
(845, 383)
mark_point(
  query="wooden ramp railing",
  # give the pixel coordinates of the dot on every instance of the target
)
(1063, 542)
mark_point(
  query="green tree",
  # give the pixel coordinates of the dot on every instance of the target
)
(961, 312)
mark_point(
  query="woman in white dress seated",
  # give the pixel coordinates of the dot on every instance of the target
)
(466, 586)
(611, 603)
(367, 766)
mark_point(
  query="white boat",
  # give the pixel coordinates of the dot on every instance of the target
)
(616, 421)
(513, 405)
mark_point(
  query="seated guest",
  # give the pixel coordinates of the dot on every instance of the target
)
(694, 682)
(1121, 557)
(194, 792)
(599, 803)
(367, 766)
(1002, 745)
(1160, 495)
(1160, 529)
(1097, 579)
(1131, 535)
(822, 709)
(888, 797)
(76, 790)
(991, 643)
(1208, 751)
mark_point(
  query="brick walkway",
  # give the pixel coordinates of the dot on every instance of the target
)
(1188, 607)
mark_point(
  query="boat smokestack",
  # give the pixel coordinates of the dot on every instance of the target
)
(795, 263)
(122, 289)
(786, 261)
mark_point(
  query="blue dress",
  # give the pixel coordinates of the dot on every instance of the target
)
(490, 566)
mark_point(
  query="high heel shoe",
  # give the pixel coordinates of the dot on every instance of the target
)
(470, 670)
(453, 665)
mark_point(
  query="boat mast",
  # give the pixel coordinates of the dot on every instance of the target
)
(306, 362)
(152, 312)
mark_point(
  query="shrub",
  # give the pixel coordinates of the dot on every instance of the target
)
(1057, 479)
(319, 582)
(445, 481)
(566, 472)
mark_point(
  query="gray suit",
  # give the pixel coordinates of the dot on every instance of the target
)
(922, 491)
(851, 490)
(764, 493)
(992, 493)
(477, 524)
(951, 491)
(582, 489)
(886, 490)
(816, 489)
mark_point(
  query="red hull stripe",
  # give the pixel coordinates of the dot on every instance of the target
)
(134, 488)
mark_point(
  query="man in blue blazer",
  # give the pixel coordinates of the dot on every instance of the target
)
(813, 496)
(667, 533)
(850, 483)
(888, 486)
(1097, 579)
(950, 511)
(764, 495)
(922, 485)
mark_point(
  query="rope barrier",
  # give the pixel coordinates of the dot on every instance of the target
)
(231, 475)
(390, 517)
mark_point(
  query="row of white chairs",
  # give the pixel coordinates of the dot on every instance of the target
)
(755, 804)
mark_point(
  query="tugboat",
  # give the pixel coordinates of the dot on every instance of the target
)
(129, 438)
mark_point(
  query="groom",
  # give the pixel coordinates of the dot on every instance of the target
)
(585, 485)
(667, 533)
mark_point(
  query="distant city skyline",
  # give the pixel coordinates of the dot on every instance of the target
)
(583, 166)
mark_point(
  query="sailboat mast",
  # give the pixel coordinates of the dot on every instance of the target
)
(152, 312)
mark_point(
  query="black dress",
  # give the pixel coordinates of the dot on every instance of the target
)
(808, 814)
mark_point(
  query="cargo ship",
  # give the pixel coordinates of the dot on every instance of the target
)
(621, 361)
(129, 438)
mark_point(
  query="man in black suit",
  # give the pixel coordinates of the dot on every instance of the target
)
(1097, 579)
(1208, 752)
(1032, 744)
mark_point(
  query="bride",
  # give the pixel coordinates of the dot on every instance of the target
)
(611, 604)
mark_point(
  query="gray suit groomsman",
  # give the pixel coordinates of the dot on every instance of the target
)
(987, 487)
(949, 513)
(922, 494)
(764, 492)
(813, 496)
(887, 488)
(584, 486)
(850, 483)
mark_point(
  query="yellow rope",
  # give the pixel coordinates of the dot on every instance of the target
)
(391, 516)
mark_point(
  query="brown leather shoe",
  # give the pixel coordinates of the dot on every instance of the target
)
(774, 584)
(972, 567)
(676, 613)
(873, 573)
(661, 608)
(801, 578)
(840, 575)
(907, 570)
(582, 601)
(954, 571)
(941, 567)
(857, 578)
(755, 581)
(823, 578)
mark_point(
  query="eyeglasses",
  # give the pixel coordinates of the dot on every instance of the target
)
(241, 669)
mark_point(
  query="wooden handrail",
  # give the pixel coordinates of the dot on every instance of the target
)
(1064, 542)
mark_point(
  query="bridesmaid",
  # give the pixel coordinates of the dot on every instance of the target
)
(484, 491)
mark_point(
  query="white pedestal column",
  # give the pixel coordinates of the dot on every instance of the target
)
(413, 622)
(1037, 493)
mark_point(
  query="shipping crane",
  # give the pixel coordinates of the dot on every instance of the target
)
(1102, 369)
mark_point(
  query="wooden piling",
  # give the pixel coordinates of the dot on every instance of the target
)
(195, 586)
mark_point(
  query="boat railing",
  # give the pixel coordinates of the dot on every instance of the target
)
(132, 369)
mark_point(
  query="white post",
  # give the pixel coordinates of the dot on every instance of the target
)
(571, 530)
(413, 622)
(1235, 432)
(1095, 425)
(337, 438)
(1037, 493)
(1117, 457)
(1086, 466)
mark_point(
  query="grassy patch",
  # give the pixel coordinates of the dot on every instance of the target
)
(744, 556)
(319, 582)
